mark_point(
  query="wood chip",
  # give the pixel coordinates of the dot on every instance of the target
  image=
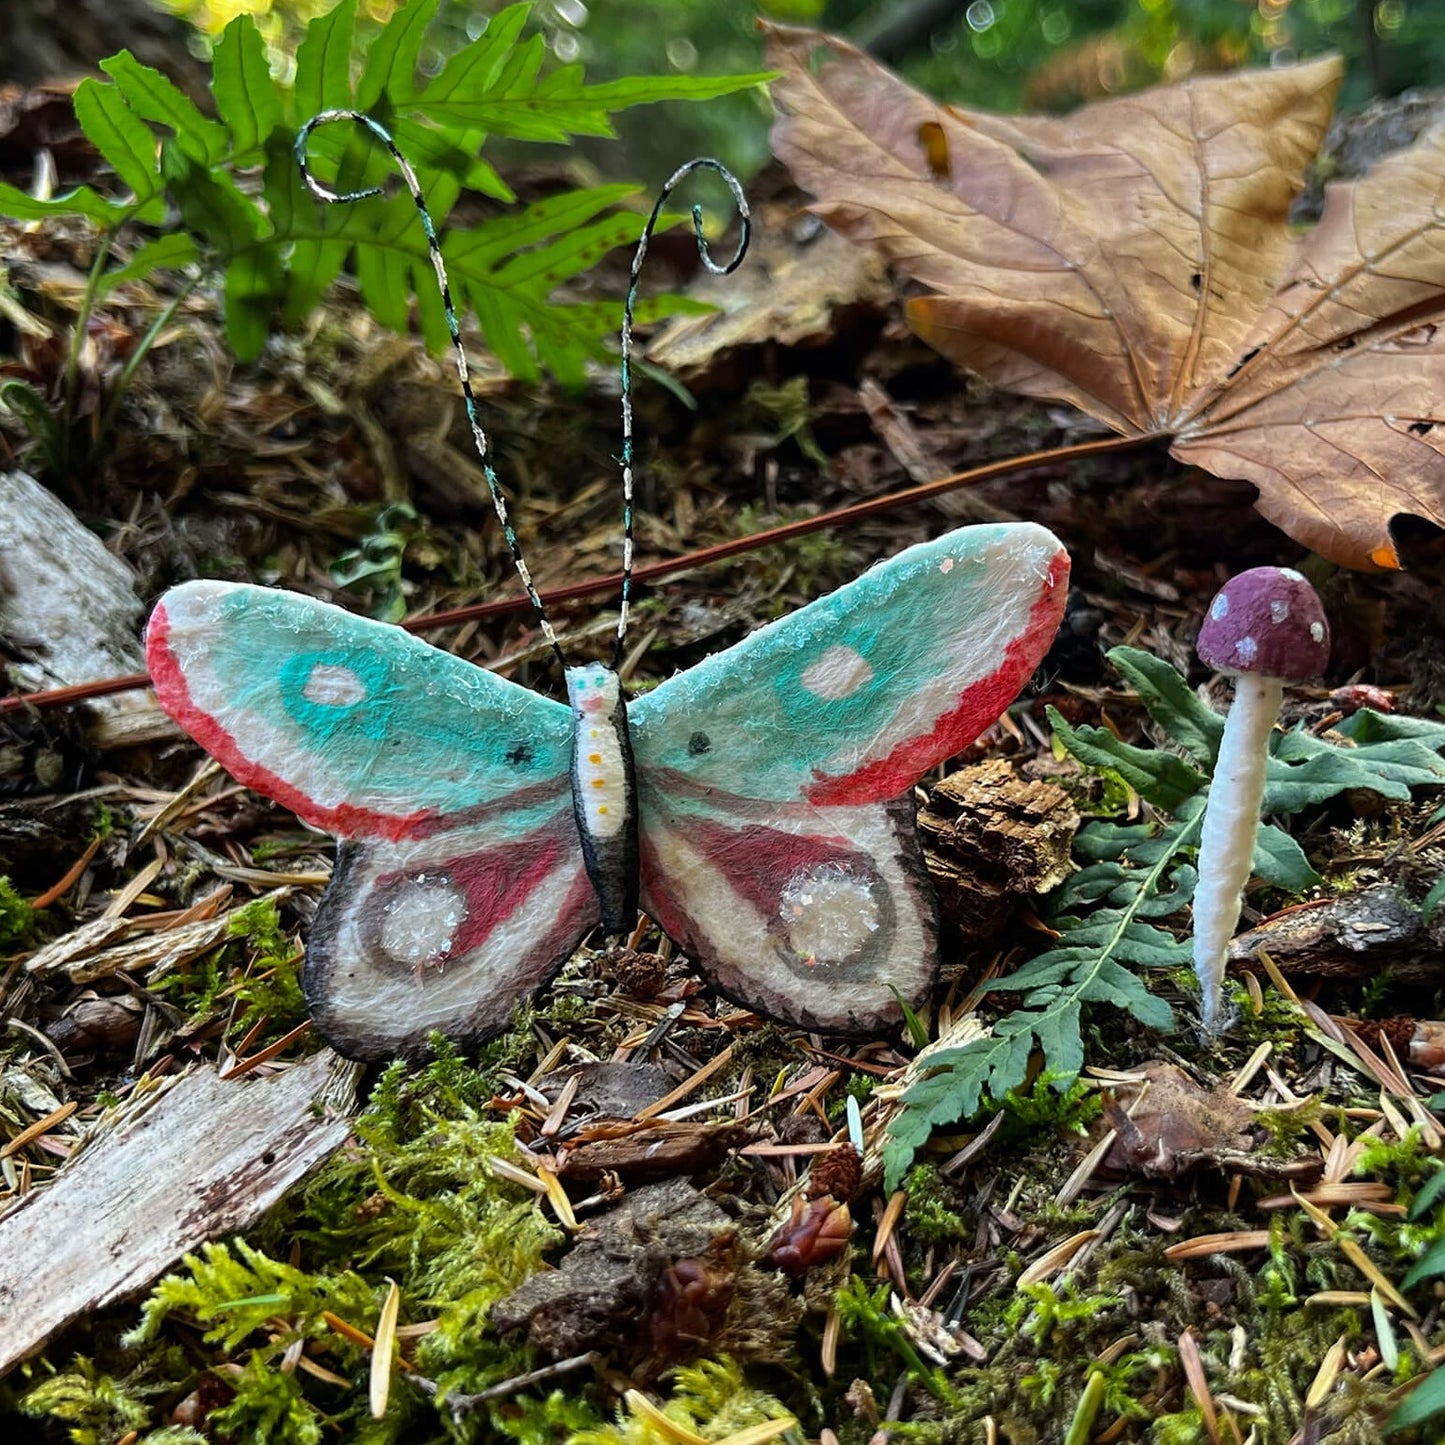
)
(206, 1159)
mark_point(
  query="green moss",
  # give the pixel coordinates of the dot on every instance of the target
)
(867, 1320)
(233, 1290)
(932, 1215)
(99, 1408)
(95, 1407)
(259, 970)
(1039, 1114)
(17, 917)
(414, 1201)
(711, 1399)
(270, 985)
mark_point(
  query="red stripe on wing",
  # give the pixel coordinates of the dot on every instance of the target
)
(980, 704)
(756, 861)
(344, 819)
(497, 883)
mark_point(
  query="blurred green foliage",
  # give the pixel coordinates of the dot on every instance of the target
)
(1049, 54)
(992, 54)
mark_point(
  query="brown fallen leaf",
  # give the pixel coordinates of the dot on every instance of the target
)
(1167, 1126)
(1135, 259)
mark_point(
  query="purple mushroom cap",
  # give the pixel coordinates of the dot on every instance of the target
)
(1268, 620)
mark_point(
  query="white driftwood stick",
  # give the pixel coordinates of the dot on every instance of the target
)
(65, 601)
(208, 1158)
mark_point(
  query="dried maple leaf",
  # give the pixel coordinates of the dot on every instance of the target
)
(1135, 258)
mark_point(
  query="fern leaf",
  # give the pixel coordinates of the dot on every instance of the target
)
(1278, 859)
(474, 70)
(152, 97)
(445, 151)
(1086, 967)
(173, 249)
(247, 99)
(613, 95)
(211, 205)
(1172, 703)
(391, 58)
(1304, 770)
(123, 138)
(82, 201)
(323, 62)
(1158, 777)
(234, 228)
(562, 106)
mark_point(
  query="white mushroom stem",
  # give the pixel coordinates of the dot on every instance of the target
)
(1231, 822)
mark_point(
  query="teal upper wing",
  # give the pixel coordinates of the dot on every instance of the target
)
(777, 842)
(462, 887)
(355, 725)
(854, 697)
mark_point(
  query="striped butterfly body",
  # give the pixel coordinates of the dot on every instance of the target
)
(757, 807)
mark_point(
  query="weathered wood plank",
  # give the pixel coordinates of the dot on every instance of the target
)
(206, 1159)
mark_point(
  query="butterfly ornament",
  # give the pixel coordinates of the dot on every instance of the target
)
(758, 806)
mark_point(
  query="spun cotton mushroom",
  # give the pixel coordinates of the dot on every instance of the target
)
(1266, 627)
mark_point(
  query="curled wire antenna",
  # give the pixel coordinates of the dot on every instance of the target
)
(479, 436)
(725, 269)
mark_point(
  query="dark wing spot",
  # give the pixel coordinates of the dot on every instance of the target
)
(1196, 280)
(519, 754)
(698, 744)
(1345, 343)
(1421, 428)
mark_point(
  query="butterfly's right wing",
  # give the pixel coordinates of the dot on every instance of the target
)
(461, 887)
(774, 779)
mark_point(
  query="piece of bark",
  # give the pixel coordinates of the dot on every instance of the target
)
(990, 838)
(649, 1149)
(616, 1287)
(205, 1159)
(67, 605)
(799, 289)
(1350, 936)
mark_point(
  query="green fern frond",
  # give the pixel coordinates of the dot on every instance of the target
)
(1139, 872)
(277, 250)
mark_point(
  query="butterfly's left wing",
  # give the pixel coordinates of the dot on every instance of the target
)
(460, 885)
(775, 778)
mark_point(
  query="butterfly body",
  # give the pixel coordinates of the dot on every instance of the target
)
(759, 805)
(604, 792)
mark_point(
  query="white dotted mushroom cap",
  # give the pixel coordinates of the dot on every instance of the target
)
(1268, 620)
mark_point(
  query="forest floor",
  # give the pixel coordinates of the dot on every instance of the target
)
(1200, 1240)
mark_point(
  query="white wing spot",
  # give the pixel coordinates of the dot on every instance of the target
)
(1291, 574)
(1317, 631)
(1220, 608)
(946, 566)
(420, 921)
(829, 914)
(1278, 611)
(331, 685)
(839, 673)
(1245, 649)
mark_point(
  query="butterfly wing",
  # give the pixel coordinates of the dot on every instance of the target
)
(461, 886)
(774, 778)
